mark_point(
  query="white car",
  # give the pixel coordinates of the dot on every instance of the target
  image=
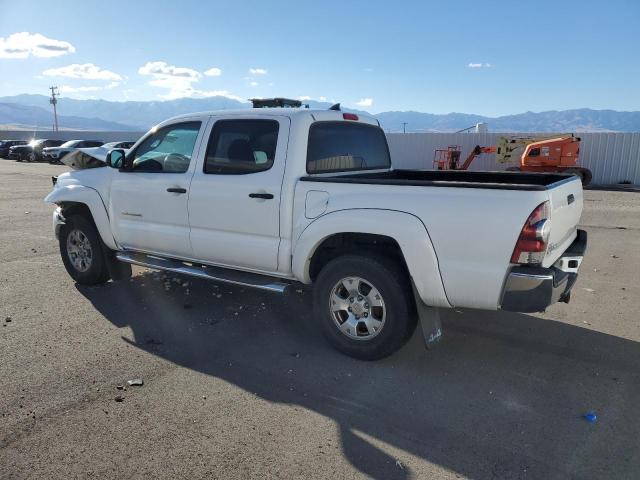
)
(269, 197)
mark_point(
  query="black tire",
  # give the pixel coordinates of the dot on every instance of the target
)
(32, 157)
(584, 174)
(391, 281)
(97, 271)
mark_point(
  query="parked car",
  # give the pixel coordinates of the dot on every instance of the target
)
(32, 152)
(270, 198)
(5, 145)
(55, 154)
(124, 145)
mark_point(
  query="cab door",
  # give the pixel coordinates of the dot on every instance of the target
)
(149, 196)
(234, 205)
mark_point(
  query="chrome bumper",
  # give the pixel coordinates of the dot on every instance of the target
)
(533, 289)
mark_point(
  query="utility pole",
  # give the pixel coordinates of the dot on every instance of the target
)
(404, 127)
(54, 101)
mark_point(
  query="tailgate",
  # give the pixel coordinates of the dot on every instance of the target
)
(565, 211)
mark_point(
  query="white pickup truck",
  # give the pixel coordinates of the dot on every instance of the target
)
(272, 197)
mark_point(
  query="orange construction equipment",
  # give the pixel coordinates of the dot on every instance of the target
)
(449, 159)
(543, 154)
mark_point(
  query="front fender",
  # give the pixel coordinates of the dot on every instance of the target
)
(91, 198)
(406, 229)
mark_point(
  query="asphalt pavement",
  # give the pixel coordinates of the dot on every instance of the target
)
(239, 384)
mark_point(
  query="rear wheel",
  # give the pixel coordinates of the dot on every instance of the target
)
(363, 306)
(32, 157)
(82, 251)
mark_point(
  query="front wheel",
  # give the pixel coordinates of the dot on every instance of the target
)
(363, 306)
(32, 157)
(82, 251)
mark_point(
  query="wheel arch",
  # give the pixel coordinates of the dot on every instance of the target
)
(397, 234)
(84, 201)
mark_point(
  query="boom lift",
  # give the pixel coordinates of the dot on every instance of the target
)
(535, 154)
(543, 154)
(449, 159)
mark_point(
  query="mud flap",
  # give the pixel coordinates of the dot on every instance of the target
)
(429, 321)
(117, 270)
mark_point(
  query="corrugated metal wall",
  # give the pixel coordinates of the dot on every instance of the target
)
(612, 157)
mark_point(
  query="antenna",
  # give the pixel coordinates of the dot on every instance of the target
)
(404, 127)
(54, 101)
(335, 107)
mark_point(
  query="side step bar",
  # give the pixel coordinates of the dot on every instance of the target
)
(218, 274)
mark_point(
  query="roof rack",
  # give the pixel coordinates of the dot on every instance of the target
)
(276, 103)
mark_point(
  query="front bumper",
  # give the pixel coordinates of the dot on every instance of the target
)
(533, 289)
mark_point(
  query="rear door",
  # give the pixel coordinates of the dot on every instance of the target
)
(234, 203)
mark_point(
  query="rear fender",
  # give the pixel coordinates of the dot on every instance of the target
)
(406, 229)
(91, 198)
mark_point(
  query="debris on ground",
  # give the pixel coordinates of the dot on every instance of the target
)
(8, 319)
(399, 464)
(136, 382)
(119, 398)
(614, 256)
(590, 417)
(590, 290)
(120, 387)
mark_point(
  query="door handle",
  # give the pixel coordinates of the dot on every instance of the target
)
(177, 190)
(266, 196)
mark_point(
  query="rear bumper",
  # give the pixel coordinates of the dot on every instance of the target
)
(533, 289)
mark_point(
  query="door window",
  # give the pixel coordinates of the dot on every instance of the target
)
(168, 150)
(241, 146)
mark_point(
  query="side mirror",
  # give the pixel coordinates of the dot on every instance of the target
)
(115, 158)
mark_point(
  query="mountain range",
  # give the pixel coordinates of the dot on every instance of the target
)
(34, 111)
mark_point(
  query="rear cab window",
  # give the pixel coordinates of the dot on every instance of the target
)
(346, 146)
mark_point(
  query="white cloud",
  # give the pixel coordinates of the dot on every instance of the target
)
(25, 44)
(304, 98)
(179, 80)
(253, 84)
(70, 89)
(258, 71)
(479, 65)
(166, 70)
(86, 88)
(86, 71)
(322, 99)
(365, 102)
(213, 72)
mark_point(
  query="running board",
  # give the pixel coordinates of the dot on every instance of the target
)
(218, 274)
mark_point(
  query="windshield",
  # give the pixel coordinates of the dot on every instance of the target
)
(70, 143)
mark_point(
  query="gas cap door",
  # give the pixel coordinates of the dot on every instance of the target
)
(316, 203)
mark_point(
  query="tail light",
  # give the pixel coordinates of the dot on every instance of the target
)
(532, 242)
(350, 116)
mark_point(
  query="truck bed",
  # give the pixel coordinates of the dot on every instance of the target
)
(452, 178)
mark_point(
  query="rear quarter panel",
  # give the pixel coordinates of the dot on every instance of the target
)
(473, 231)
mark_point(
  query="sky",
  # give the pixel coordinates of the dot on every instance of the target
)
(489, 58)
